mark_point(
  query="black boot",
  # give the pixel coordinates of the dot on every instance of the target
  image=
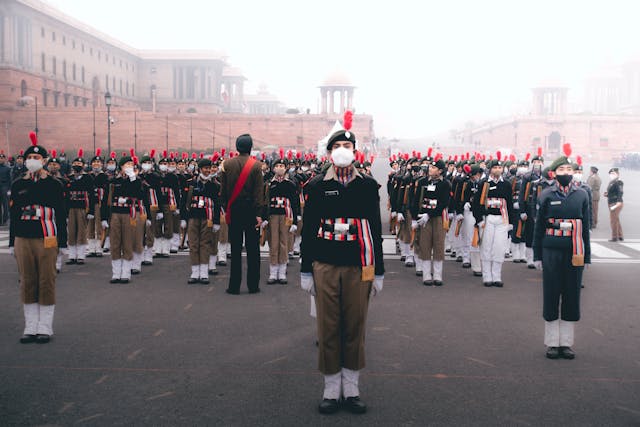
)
(328, 406)
(553, 353)
(355, 405)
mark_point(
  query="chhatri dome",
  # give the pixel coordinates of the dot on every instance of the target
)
(336, 93)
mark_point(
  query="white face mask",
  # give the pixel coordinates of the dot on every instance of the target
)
(33, 165)
(205, 177)
(171, 168)
(304, 168)
(612, 175)
(313, 165)
(111, 168)
(191, 168)
(577, 177)
(342, 157)
(129, 172)
(522, 171)
(163, 168)
(146, 167)
(279, 171)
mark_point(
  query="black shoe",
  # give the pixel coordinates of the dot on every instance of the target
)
(488, 284)
(135, 271)
(124, 281)
(567, 353)
(613, 240)
(466, 265)
(620, 239)
(447, 251)
(230, 292)
(296, 253)
(164, 255)
(71, 262)
(147, 263)
(114, 281)
(531, 266)
(282, 281)
(329, 406)
(27, 339)
(228, 256)
(192, 281)
(80, 261)
(402, 258)
(552, 353)
(213, 272)
(221, 262)
(453, 255)
(204, 281)
(157, 255)
(354, 405)
(173, 251)
(271, 281)
(42, 338)
(418, 273)
(254, 291)
(438, 283)
(459, 259)
(91, 255)
(477, 273)
(98, 254)
(498, 284)
(58, 270)
(290, 256)
(410, 264)
(105, 250)
(428, 282)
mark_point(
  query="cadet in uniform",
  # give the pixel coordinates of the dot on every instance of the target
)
(614, 200)
(81, 203)
(595, 183)
(168, 199)
(341, 259)
(100, 183)
(562, 248)
(53, 167)
(35, 205)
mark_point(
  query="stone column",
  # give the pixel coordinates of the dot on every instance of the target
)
(342, 103)
(350, 99)
(331, 99)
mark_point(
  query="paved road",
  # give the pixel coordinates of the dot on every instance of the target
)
(160, 352)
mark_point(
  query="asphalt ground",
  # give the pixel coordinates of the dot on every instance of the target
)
(160, 352)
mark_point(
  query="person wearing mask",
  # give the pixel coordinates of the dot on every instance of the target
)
(81, 203)
(100, 183)
(242, 193)
(530, 189)
(168, 199)
(19, 169)
(53, 167)
(5, 185)
(561, 249)
(36, 205)
(342, 265)
(595, 183)
(614, 193)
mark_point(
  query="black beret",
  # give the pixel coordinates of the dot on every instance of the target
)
(244, 143)
(341, 135)
(204, 163)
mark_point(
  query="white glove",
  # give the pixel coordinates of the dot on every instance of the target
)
(509, 227)
(414, 224)
(516, 205)
(538, 265)
(264, 223)
(12, 251)
(394, 214)
(64, 251)
(523, 216)
(122, 200)
(159, 216)
(459, 217)
(104, 224)
(423, 219)
(148, 223)
(89, 216)
(132, 177)
(450, 216)
(481, 224)
(306, 283)
(183, 224)
(293, 228)
(376, 287)
(176, 212)
(299, 218)
(400, 217)
(467, 206)
(216, 228)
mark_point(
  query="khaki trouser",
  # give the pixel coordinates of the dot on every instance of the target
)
(138, 236)
(199, 241)
(595, 204)
(223, 234)
(431, 240)
(342, 302)
(149, 237)
(77, 227)
(121, 235)
(164, 226)
(278, 240)
(404, 229)
(215, 235)
(616, 227)
(37, 268)
(94, 228)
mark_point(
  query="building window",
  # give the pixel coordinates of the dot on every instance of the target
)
(82, 74)
(75, 101)
(56, 95)
(82, 47)
(106, 57)
(73, 44)
(127, 88)
(64, 69)
(44, 64)
(73, 72)
(23, 88)
(113, 80)
(64, 40)
(133, 89)
(42, 31)
(106, 79)
(53, 66)
(84, 102)
(120, 86)
(66, 99)
(53, 36)
(99, 55)
(44, 97)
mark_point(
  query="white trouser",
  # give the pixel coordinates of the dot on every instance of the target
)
(38, 319)
(332, 386)
(559, 333)
(529, 255)
(212, 262)
(147, 255)
(426, 270)
(282, 271)
(81, 251)
(126, 269)
(136, 263)
(522, 249)
(494, 239)
(107, 243)
(350, 381)
(175, 241)
(59, 261)
(222, 251)
(313, 312)
(273, 271)
(466, 233)
(195, 272)
(296, 243)
(437, 270)
(204, 271)
(474, 255)
(116, 269)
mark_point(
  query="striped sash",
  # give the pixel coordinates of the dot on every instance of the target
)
(362, 235)
(282, 203)
(206, 203)
(47, 217)
(153, 199)
(574, 231)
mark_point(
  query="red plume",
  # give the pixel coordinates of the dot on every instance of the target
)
(289, 155)
(152, 153)
(512, 157)
(527, 157)
(419, 154)
(172, 155)
(413, 154)
(281, 151)
(124, 154)
(455, 158)
(194, 156)
(34, 138)
(539, 151)
(467, 169)
(348, 120)
(498, 155)
(429, 151)
(112, 155)
(215, 157)
(263, 156)
(438, 157)
(579, 160)
(80, 152)
(132, 152)
(298, 155)
(371, 157)
(53, 154)
(22, 152)
(135, 160)
(202, 155)
(185, 155)
(467, 156)
(98, 151)
(222, 152)
(164, 154)
(566, 149)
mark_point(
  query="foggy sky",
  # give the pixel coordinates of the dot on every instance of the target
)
(420, 67)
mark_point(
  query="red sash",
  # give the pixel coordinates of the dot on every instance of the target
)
(244, 174)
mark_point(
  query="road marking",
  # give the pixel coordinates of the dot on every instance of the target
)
(92, 417)
(482, 362)
(601, 251)
(275, 360)
(65, 407)
(160, 396)
(598, 331)
(102, 379)
(634, 246)
(158, 332)
(188, 307)
(133, 355)
(623, 408)
(211, 288)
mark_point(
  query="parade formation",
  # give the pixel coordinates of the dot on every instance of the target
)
(479, 209)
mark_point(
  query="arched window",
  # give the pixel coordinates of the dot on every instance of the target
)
(23, 88)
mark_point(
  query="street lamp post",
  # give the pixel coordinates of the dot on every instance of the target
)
(191, 133)
(166, 142)
(135, 131)
(107, 102)
(94, 126)
(36, 129)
